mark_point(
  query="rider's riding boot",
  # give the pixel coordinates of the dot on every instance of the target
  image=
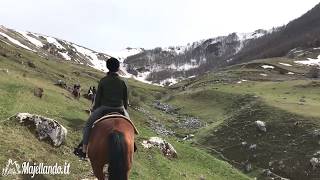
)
(135, 147)
(78, 151)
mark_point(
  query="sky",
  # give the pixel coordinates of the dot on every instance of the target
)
(112, 25)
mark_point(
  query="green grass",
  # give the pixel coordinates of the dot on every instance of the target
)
(284, 95)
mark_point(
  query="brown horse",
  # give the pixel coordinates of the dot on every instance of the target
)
(112, 142)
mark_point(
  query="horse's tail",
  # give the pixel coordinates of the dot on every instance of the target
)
(117, 156)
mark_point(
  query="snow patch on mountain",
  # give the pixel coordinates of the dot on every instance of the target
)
(65, 56)
(267, 67)
(31, 39)
(142, 77)
(252, 35)
(96, 63)
(285, 64)
(243, 37)
(176, 49)
(183, 67)
(187, 66)
(16, 42)
(123, 54)
(54, 41)
(310, 62)
(169, 82)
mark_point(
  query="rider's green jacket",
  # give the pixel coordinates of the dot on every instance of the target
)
(112, 91)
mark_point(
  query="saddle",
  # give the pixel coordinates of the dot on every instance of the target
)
(116, 115)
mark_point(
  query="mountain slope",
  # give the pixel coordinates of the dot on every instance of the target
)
(302, 32)
(50, 47)
(169, 65)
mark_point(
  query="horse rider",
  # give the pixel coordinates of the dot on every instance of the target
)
(94, 92)
(112, 96)
(90, 91)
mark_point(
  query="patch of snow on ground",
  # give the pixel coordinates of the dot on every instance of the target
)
(15, 41)
(193, 61)
(180, 49)
(264, 75)
(267, 67)
(169, 81)
(290, 73)
(186, 67)
(243, 80)
(310, 62)
(97, 63)
(301, 54)
(316, 48)
(172, 66)
(252, 35)
(65, 56)
(55, 42)
(177, 49)
(297, 51)
(285, 64)
(31, 39)
(142, 77)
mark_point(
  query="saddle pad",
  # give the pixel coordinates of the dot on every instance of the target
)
(116, 115)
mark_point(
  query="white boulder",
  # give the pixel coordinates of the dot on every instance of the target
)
(315, 162)
(45, 127)
(261, 126)
(166, 148)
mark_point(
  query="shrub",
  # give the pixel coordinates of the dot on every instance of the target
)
(313, 72)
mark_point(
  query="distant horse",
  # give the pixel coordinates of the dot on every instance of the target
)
(76, 91)
(112, 142)
(38, 92)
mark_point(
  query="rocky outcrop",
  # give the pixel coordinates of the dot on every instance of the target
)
(45, 127)
(165, 107)
(155, 124)
(190, 123)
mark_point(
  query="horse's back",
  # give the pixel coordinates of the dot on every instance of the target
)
(101, 131)
(114, 124)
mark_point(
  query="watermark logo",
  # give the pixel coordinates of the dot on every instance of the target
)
(32, 169)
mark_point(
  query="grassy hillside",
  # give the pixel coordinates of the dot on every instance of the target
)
(231, 100)
(18, 142)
